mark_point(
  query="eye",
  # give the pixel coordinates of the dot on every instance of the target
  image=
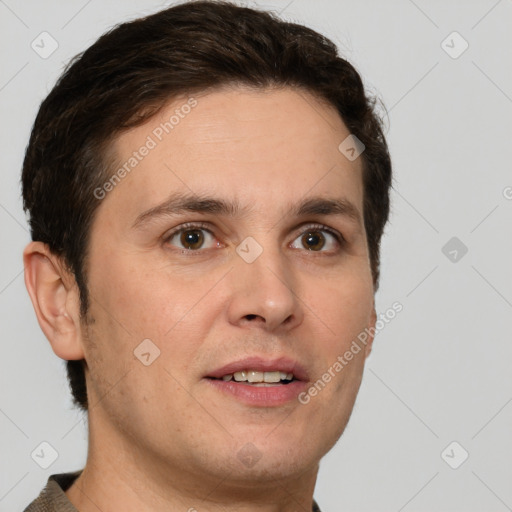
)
(192, 238)
(317, 239)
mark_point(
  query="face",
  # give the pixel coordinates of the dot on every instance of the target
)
(235, 247)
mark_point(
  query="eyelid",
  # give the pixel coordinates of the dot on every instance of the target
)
(322, 227)
(338, 237)
(300, 230)
(168, 235)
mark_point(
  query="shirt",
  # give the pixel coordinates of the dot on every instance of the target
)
(54, 499)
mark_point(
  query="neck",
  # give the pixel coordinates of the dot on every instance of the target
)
(119, 477)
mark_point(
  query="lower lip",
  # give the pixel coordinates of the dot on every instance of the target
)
(265, 396)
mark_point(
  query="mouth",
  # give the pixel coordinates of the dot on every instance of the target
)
(260, 382)
(260, 379)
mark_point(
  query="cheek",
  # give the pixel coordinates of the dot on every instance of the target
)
(148, 302)
(139, 302)
(343, 310)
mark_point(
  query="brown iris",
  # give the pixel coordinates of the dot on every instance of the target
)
(192, 238)
(313, 240)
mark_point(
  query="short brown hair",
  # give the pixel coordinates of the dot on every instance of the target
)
(133, 70)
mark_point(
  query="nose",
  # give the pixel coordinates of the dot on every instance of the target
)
(263, 294)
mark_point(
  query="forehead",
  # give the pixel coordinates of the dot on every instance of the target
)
(265, 148)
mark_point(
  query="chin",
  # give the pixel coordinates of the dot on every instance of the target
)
(270, 469)
(278, 457)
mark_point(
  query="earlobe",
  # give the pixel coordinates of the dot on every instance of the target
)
(55, 298)
(371, 331)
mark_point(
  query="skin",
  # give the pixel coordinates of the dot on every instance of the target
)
(160, 436)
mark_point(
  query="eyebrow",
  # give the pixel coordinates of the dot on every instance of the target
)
(324, 206)
(179, 203)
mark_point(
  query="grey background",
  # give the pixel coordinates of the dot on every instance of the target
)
(440, 371)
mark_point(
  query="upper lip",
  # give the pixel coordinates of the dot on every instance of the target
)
(260, 364)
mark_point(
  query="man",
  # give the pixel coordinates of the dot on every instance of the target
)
(207, 190)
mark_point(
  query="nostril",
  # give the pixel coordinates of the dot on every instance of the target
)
(252, 317)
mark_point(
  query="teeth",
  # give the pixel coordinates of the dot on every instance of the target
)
(256, 377)
(240, 376)
(271, 376)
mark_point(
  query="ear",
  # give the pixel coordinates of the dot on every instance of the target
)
(55, 297)
(371, 330)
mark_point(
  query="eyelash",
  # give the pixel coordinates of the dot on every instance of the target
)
(200, 225)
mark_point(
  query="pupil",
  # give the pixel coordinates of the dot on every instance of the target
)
(192, 239)
(313, 240)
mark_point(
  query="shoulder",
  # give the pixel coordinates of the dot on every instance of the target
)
(53, 498)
